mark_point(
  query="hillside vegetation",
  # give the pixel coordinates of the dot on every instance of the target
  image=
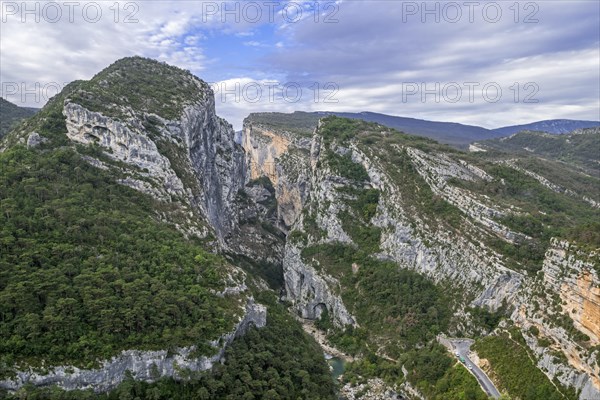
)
(579, 149)
(11, 115)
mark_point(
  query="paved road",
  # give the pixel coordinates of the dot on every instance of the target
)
(463, 346)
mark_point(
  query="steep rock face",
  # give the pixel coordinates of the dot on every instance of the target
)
(311, 292)
(437, 252)
(127, 143)
(561, 302)
(406, 238)
(207, 141)
(143, 365)
(282, 157)
(288, 161)
(578, 285)
(436, 169)
(155, 128)
(192, 162)
(460, 258)
(217, 161)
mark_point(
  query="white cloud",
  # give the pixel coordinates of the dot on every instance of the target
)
(36, 54)
(370, 54)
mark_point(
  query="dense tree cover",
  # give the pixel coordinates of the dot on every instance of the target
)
(438, 376)
(48, 122)
(587, 237)
(429, 368)
(345, 167)
(86, 270)
(402, 306)
(427, 365)
(515, 371)
(278, 361)
(299, 122)
(486, 319)
(356, 219)
(565, 175)
(456, 384)
(342, 129)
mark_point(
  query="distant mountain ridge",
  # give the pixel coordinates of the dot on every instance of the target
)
(580, 148)
(11, 114)
(555, 126)
(452, 133)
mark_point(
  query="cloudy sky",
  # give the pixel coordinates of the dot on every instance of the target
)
(484, 63)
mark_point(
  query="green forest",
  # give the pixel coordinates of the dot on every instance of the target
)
(86, 271)
(277, 362)
(515, 371)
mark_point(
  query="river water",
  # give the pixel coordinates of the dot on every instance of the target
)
(337, 366)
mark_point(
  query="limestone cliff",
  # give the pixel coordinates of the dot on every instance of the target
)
(177, 150)
(147, 366)
(281, 193)
(563, 303)
(457, 254)
(406, 238)
(282, 157)
(189, 160)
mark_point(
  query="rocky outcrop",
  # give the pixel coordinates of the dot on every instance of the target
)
(124, 142)
(193, 162)
(217, 162)
(34, 139)
(570, 273)
(513, 163)
(437, 169)
(564, 300)
(283, 158)
(200, 142)
(311, 292)
(567, 374)
(372, 389)
(143, 365)
(438, 252)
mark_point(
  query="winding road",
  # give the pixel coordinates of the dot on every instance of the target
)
(462, 348)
